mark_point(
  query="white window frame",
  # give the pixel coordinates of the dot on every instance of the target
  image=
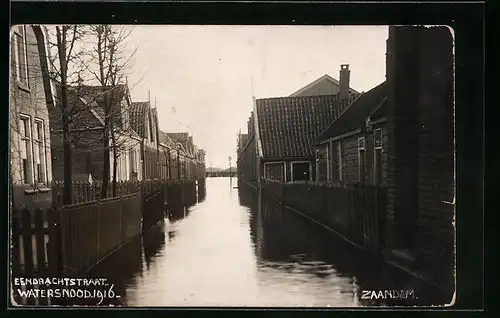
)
(361, 152)
(297, 162)
(22, 139)
(275, 163)
(377, 177)
(17, 63)
(41, 143)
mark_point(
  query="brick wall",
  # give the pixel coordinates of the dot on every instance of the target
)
(402, 80)
(436, 157)
(421, 150)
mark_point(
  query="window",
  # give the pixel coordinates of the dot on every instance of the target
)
(340, 160)
(301, 171)
(25, 151)
(377, 159)
(133, 167)
(377, 136)
(19, 66)
(321, 164)
(40, 152)
(361, 159)
(275, 171)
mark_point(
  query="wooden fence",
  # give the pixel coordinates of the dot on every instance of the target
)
(35, 242)
(93, 230)
(153, 204)
(84, 191)
(71, 239)
(356, 213)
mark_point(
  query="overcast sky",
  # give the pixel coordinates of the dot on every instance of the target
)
(201, 76)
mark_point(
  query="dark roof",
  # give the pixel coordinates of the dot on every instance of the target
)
(355, 115)
(288, 126)
(138, 112)
(185, 140)
(95, 93)
(165, 139)
(180, 137)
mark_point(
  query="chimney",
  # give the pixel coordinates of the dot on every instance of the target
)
(344, 81)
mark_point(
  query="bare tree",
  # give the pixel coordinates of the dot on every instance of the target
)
(64, 70)
(108, 62)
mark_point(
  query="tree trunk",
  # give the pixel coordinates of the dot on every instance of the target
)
(105, 171)
(67, 191)
(115, 163)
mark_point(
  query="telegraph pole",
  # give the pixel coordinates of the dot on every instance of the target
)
(230, 176)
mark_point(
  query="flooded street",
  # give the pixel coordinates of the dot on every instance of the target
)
(236, 248)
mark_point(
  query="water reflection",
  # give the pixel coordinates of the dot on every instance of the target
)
(238, 248)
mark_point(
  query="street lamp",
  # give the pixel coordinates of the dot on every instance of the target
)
(229, 158)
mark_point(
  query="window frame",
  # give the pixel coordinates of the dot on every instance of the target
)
(301, 162)
(375, 132)
(27, 137)
(19, 33)
(361, 159)
(40, 142)
(340, 160)
(271, 163)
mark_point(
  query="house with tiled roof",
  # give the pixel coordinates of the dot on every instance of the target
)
(327, 85)
(287, 129)
(144, 121)
(87, 130)
(352, 150)
(188, 158)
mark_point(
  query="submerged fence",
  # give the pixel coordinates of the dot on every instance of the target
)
(356, 213)
(71, 239)
(91, 231)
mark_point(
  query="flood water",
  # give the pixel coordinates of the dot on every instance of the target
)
(237, 248)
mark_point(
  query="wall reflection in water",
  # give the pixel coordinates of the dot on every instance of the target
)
(240, 240)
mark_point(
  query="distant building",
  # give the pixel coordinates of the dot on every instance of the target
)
(283, 130)
(288, 128)
(31, 97)
(87, 131)
(353, 149)
(327, 85)
(144, 121)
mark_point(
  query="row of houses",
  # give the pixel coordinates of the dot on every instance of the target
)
(398, 136)
(141, 149)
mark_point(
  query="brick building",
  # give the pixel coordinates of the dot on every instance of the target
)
(31, 97)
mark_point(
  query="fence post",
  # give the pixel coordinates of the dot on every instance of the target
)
(55, 250)
(16, 233)
(40, 241)
(27, 242)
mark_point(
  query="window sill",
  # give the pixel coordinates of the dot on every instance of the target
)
(30, 191)
(41, 189)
